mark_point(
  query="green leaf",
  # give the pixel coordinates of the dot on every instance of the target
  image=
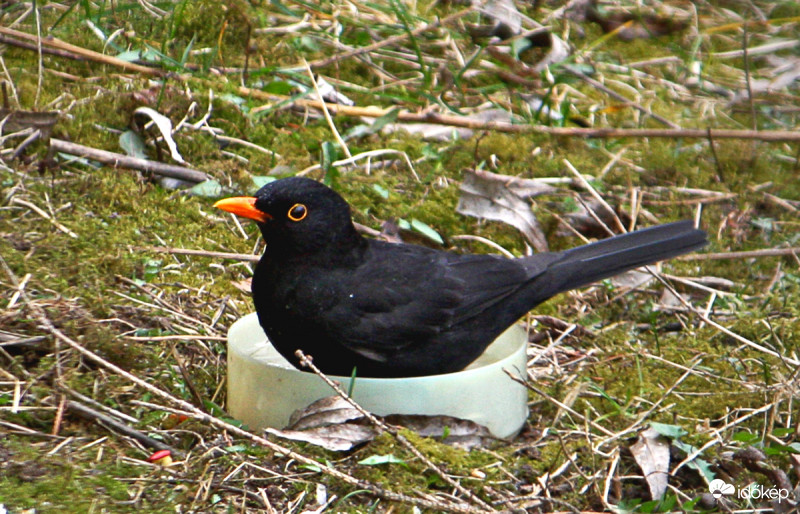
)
(671, 431)
(148, 55)
(745, 437)
(377, 460)
(132, 144)
(236, 100)
(151, 268)
(278, 87)
(389, 117)
(207, 189)
(376, 126)
(700, 465)
(329, 155)
(426, 231)
(383, 192)
(779, 449)
(262, 180)
(310, 467)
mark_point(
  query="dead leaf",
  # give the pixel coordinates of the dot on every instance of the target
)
(458, 432)
(337, 438)
(502, 198)
(164, 126)
(335, 425)
(331, 410)
(557, 49)
(631, 279)
(669, 301)
(651, 453)
(507, 19)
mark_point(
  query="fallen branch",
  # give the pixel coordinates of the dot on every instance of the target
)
(77, 51)
(766, 252)
(117, 426)
(504, 126)
(123, 161)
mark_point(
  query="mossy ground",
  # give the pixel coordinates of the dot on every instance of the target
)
(101, 286)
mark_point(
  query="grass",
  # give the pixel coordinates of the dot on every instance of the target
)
(651, 359)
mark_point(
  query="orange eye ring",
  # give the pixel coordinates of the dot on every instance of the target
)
(298, 212)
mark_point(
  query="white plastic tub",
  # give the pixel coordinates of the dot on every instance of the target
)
(264, 389)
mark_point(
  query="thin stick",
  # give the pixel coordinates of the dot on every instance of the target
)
(751, 254)
(89, 55)
(44, 215)
(117, 426)
(125, 161)
(502, 126)
(327, 114)
(585, 183)
(763, 349)
(200, 253)
(559, 404)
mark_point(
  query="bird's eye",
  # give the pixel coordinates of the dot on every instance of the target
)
(298, 212)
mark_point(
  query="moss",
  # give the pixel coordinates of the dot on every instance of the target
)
(54, 483)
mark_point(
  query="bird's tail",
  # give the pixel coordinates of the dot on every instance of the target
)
(589, 263)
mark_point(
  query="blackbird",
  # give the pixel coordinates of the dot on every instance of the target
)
(401, 310)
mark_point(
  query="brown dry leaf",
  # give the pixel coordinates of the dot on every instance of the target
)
(458, 432)
(331, 410)
(651, 453)
(502, 198)
(329, 422)
(337, 438)
(334, 424)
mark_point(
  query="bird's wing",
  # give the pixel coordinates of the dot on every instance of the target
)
(420, 294)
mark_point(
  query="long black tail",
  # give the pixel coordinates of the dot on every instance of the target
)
(586, 264)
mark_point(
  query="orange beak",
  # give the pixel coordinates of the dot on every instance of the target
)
(244, 206)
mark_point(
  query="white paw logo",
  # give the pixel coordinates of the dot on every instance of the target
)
(719, 488)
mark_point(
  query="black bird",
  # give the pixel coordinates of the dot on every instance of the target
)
(400, 310)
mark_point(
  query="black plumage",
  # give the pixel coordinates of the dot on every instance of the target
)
(396, 310)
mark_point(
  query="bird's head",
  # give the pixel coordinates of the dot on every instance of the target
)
(296, 215)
